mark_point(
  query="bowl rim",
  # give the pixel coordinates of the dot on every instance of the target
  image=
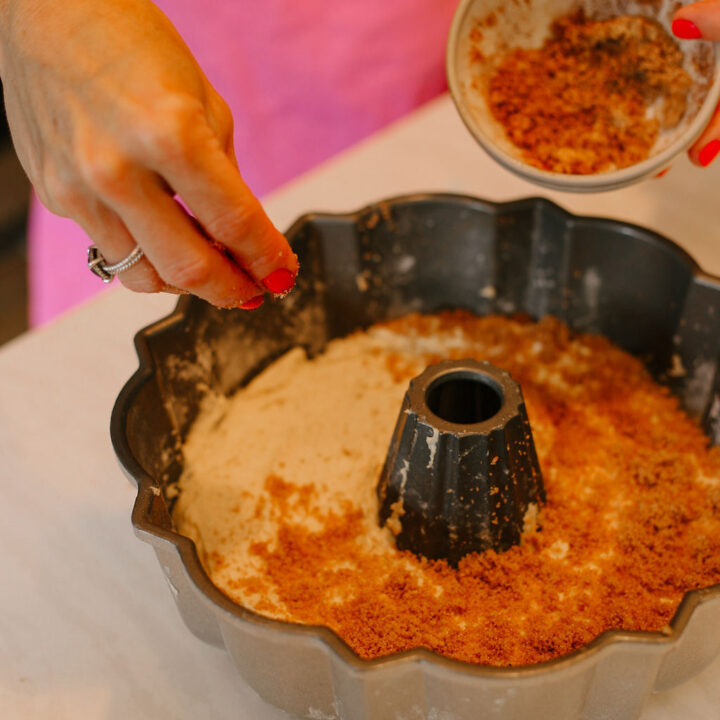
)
(564, 181)
(149, 488)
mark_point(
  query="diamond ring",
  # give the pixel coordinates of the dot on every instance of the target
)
(99, 265)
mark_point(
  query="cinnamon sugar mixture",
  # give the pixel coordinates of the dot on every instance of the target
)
(279, 494)
(595, 97)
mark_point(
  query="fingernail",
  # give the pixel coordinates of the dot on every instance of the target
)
(708, 153)
(279, 281)
(253, 303)
(685, 29)
(663, 173)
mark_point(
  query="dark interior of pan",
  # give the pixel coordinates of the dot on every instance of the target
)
(424, 253)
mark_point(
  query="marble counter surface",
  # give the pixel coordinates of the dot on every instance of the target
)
(88, 628)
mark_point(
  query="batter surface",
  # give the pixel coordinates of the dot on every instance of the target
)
(278, 493)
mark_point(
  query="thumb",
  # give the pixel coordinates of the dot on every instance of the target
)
(698, 20)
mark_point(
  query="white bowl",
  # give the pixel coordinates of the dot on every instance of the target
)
(526, 24)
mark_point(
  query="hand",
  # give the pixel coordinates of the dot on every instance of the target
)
(112, 118)
(695, 21)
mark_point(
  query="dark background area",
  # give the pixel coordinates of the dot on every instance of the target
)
(14, 197)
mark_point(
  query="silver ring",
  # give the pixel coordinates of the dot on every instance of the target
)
(99, 265)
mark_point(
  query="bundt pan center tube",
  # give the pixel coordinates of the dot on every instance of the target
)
(425, 253)
(462, 474)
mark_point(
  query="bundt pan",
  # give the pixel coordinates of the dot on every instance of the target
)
(427, 253)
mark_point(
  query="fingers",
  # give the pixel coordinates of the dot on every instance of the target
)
(204, 174)
(707, 147)
(698, 20)
(232, 215)
(115, 243)
(136, 207)
(701, 20)
(181, 256)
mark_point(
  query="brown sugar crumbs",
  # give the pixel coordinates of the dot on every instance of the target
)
(594, 97)
(631, 523)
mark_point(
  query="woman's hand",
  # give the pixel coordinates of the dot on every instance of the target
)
(693, 22)
(112, 118)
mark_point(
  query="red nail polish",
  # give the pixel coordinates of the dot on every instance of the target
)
(686, 29)
(708, 153)
(253, 303)
(279, 281)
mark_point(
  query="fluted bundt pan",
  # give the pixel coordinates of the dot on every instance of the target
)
(426, 253)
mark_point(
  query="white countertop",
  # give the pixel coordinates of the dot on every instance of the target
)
(88, 628)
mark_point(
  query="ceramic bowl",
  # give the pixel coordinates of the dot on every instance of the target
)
(526, 24)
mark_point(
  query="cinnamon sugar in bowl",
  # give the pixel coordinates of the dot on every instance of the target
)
(580, 95)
